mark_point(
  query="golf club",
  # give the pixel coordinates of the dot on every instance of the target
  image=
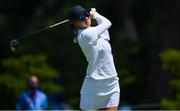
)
(15, 42)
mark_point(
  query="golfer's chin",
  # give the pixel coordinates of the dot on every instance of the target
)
(87, 25)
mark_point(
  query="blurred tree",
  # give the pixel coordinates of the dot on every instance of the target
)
(129, 42)
(171, 64)
(16, 71)
(164, 35)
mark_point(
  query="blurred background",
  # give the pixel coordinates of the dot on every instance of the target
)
(145, 39)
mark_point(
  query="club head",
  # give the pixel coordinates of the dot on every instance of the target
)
(14, 44)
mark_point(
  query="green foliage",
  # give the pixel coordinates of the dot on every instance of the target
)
(171, 63)
(127, 78)
(171, 60)
(129, 65)
(17, 69)
(169, 104)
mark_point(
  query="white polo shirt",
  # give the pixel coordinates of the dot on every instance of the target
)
(97, 50)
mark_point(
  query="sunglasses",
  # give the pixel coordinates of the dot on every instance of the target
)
(83, 17)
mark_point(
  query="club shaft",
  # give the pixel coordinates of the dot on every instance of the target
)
(64, 21)
(42, 29)
(31, 33)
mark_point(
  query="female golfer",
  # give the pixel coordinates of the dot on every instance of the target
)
(100, 89)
